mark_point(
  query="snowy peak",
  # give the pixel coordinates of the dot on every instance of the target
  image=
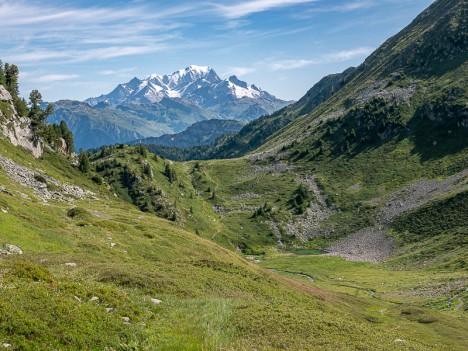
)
(241, 89)
(237, 81)
(155, 87)
(200, 85)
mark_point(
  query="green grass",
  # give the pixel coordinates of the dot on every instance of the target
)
(385, 294)
(212, 298)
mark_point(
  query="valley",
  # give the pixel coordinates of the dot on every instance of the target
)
(336, 222)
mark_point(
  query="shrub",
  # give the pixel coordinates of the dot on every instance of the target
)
(40, 178)
(30, 271)
(78, 213)
(97, 179)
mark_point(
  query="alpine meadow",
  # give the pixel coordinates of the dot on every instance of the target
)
(196, 211)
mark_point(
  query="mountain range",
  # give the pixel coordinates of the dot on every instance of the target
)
(162, 104)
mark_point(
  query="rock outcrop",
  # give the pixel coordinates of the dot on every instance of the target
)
(17, 129)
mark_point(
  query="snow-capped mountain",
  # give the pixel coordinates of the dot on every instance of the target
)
(162, 104)
(197, 84)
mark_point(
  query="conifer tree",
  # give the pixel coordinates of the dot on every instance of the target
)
(83, 165)
(11, 79)
(36, 113)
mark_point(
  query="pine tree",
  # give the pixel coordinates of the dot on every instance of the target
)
(36, 113)
(70, 143)
(21, 107)
(83, 165)
(169, 173)
(11, 79)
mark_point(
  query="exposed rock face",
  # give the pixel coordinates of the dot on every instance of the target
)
(16, 128)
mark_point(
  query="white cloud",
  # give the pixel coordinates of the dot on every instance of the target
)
(246, 8)
(239, 71)
(337, 56)
(118, 72)
(343, 7)
(56, 35)
(49, 78)
(346, 55)
(290, 64)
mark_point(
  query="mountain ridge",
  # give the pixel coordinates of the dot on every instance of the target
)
(198, 84)
(163, 104)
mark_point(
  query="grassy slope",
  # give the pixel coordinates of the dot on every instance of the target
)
(212, 298)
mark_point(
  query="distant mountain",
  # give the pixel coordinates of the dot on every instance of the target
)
(103, 124)
(257, 132)
(200, 133)
(231, 98)
(162, 104)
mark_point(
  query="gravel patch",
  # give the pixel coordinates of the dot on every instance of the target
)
(367, 245)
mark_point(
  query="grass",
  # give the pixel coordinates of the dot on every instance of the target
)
(212, 298)
(385, 293)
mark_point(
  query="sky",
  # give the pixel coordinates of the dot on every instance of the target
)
(85, 48)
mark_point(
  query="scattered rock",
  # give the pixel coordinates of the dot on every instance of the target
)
(377, 90)
(126, 320)
(45, 187)
(4, 211)
(70, 264)
(112, 245)
(308, 226)
(367, 245)
(5, 190)
(219, 210)
(5, 345)
(245, 196)
(274, 169)
(156, 301)
(399, 340)
(94, 298)
(13, 249)
(110, 309)
(419, 193)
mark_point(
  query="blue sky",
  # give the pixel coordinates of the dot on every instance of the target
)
(79, 49)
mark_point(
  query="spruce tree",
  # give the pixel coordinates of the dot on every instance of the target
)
(83, 162)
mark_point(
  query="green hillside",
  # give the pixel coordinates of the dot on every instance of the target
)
(342, 226)
(90, 268)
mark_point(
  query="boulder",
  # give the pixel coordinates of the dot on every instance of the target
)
(13, 249)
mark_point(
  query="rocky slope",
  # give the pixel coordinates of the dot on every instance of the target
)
(17, 129)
